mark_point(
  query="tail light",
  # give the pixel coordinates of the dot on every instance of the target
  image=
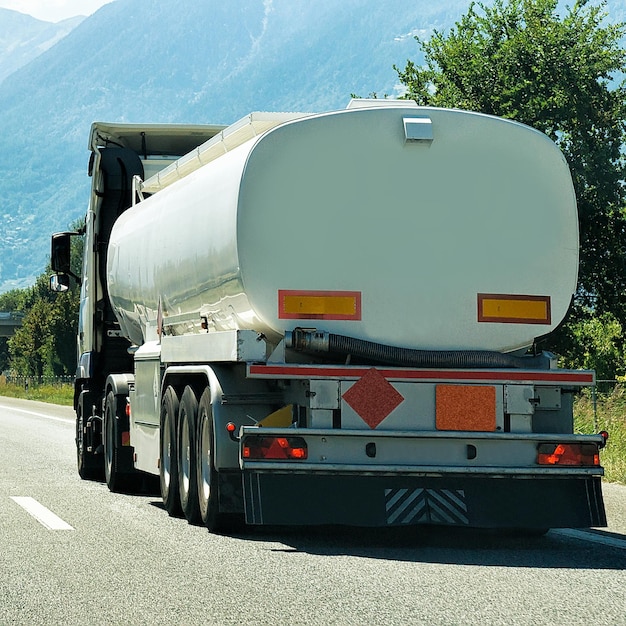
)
(573, 454)
(273, 448)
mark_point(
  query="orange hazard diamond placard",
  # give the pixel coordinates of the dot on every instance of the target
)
(373, 398)
(466, 407)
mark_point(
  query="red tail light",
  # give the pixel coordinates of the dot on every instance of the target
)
(580, 454)
(274, 448)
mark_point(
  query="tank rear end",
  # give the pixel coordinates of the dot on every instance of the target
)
(415, 227)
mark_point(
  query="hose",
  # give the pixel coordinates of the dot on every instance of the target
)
(340, 345)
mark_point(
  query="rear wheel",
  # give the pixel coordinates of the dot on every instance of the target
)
(208, 494)
(168, 465)
(118, 466)
(187, 481)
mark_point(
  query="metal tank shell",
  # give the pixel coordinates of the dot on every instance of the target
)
(418, 211)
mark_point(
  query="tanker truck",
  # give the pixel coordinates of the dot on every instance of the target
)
(333, 318)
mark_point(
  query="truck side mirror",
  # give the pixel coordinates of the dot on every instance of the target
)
(60, 253)
(59, 283)
(60, 261)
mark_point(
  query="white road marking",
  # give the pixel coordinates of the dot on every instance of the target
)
(48, 417)
(44, 516)
(593, 537)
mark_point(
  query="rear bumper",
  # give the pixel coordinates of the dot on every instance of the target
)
(479, 501)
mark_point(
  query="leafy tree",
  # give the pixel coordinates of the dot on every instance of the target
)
(45, 344)
(518, 59)
(596, 342)
(28, 344)
(12, 300)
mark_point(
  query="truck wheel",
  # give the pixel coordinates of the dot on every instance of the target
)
(89, 466)
(168, 465)
(208, 483)
(118, 470)
(187, 482)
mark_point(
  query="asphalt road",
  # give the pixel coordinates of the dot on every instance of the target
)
(124, 561)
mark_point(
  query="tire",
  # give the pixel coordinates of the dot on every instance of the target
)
(208, 478)
(168, 465)
(90, 467)
(186, 448)
(119, 474)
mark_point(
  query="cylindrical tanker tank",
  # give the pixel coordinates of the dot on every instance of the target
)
(415, 227)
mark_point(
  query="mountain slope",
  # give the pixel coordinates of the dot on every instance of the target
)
(192, 61)
(23, 38)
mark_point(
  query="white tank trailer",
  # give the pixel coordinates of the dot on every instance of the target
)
(423, 213)
(333, 318)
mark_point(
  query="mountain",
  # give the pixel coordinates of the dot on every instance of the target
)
(23, 38)
(192, 61)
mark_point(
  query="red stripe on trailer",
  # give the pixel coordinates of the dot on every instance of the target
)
(308, 371)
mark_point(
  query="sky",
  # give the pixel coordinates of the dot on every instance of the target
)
(53, 10)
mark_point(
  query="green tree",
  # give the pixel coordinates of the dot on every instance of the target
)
(28, 345)
(519, 59)
(13, 300)
(45, 344)
(596, 342)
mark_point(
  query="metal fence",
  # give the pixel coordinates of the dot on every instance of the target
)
(34, 381)
(606, 387)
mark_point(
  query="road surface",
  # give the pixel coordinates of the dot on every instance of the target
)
(74, 553)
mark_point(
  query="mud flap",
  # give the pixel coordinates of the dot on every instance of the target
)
(479, 502)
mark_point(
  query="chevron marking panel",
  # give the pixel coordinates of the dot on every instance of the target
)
(426, 506)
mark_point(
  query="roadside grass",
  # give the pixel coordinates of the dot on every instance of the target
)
(610, 415)
(54, 394)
